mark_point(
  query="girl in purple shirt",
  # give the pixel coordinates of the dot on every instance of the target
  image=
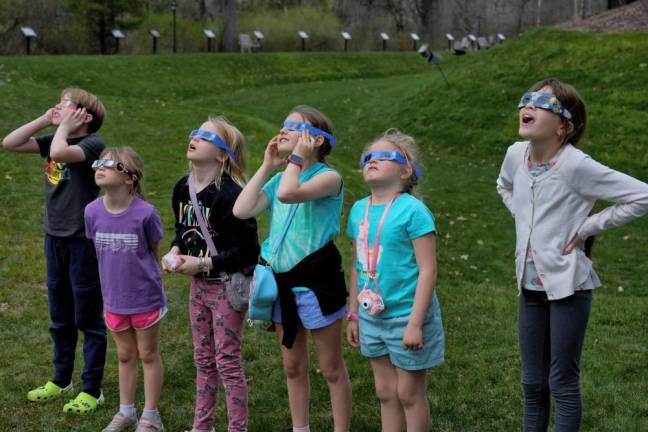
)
(126, 232)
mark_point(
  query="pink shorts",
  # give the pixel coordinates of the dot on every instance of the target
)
(139, 321)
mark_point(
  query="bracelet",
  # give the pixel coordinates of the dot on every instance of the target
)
(201, 264)
(352, 316)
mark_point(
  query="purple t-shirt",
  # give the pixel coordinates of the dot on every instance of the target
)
(129, 273)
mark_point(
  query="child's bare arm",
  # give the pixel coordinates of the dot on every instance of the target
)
(22, 139)
(425, 251)
(155, 248)
(61, 151)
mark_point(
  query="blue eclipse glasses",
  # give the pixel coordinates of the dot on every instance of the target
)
(214, 139)
(390, 156)
(546, 101)
(296, 126)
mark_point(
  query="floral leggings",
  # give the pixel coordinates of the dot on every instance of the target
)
(217, 332)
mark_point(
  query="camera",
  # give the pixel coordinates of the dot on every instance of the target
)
(371, 302)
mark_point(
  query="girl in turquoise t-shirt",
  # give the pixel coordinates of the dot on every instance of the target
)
(308, 266)
(392, 283)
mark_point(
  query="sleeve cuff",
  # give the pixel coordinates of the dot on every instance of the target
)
(218, 263)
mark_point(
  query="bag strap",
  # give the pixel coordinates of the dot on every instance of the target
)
(289, 220)
(280, 240)
(201, 220)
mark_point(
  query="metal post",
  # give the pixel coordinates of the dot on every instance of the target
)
(444, 77)
(154, 45)
(174, 6)
(384, 45)
(346, 45)
(414, 40)
(303, 44)
(208, 44)
(116, 45)
(28, 40)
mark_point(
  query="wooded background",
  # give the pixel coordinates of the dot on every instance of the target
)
(83, 26)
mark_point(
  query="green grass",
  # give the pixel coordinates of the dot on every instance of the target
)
(463, 131)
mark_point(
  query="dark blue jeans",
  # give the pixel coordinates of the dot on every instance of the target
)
(551, 335)
(75, 304)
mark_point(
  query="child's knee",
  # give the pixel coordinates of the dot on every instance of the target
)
(127, 354)
(386, 391)
(410, 395)
(333, 373)
(149, 355)
(295, 369)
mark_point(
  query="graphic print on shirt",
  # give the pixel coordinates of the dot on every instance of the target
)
(361, 250)
(192, 236)
(56, 172)
(116, 242)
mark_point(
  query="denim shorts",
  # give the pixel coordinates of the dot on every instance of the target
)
(384, 336)
(309, 311)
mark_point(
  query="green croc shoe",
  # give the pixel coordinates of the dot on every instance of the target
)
(47, 392)
(83, 404)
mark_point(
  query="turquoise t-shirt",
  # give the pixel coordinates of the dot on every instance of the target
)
(397, 269)
(315, 224)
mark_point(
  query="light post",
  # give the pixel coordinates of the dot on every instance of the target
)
(174, 7)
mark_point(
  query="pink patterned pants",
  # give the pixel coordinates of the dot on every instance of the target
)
(217, 332)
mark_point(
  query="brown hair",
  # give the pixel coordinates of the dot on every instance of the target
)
(91, 103)
(571, 100)
(320, 121)
(236, 141)
(406, 145)
(132, 162)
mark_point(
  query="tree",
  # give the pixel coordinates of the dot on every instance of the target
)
(102, 16)
(229, 41)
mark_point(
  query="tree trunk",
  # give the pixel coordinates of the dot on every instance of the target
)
(229, 41)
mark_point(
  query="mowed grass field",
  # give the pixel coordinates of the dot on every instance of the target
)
(463, 131)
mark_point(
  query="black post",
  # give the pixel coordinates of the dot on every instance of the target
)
(384, 44)
(116, 45)
(28, 41)
(154, 45)
(346, 45)
(449, 45)
(414, 40)
(208, 44)
(444, 77)
(174, 6)
(303, 44)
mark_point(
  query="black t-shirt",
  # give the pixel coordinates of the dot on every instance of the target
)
(69, 187)
(236, 240)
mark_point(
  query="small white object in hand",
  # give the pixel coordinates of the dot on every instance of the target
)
(172, 261)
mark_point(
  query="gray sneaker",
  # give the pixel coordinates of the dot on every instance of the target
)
(121, 423)
(146, 425)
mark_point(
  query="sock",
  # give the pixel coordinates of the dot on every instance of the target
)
(95, 393)
(301, 429)
(152, 415)
(61, 384)
(128, 410)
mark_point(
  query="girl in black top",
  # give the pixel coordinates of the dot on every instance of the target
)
(217, 159)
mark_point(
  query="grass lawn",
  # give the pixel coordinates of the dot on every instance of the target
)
(463, 131)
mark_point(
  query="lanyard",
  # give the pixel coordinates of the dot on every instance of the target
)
(372, 259)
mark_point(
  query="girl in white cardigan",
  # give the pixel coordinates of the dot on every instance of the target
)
(550, 187)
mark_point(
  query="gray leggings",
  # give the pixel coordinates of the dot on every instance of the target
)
(551, 335)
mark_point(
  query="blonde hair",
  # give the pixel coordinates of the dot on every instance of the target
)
(236, 141)
(132, 162)
(406, 145)
(91, 103)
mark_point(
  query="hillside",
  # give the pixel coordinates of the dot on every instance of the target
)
(463, 131)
